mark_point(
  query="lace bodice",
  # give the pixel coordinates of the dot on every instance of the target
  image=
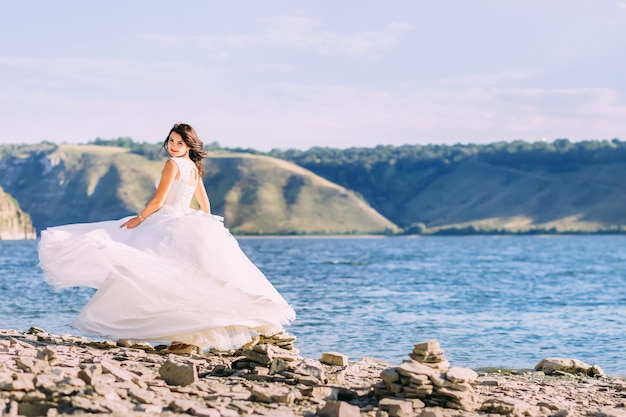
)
(182, 190)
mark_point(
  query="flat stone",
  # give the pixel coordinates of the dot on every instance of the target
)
(608, 412)
(412, 367)
(322, 393)
(458, 374)
(205, 412)
(32, 365)
(508, 406)
(395, 407)
(427, 346)
(181, 406)
(86, 404)
(339, 409)
(567, 365)
(334, 358)
(38, 408)
(272, 394)
(117, 371)
(21, 382)
(310, 367)
(431, 412)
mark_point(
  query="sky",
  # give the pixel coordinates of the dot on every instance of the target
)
(267, 74)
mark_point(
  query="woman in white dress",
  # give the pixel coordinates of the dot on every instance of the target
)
(170, 272)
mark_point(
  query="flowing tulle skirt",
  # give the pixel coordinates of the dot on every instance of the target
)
(179, 276)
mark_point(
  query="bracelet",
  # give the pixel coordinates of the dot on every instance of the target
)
(140, 216)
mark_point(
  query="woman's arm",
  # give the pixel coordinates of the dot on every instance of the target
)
(202, 197)
(168, 175)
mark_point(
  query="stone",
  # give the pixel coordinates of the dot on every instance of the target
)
(390, 375)
(429, 357)
(412, 367)
(38, 408)
(427, 346)
(117, 371)
(339, 409)
(86, 404)
(272, 394)
(135, 344)
(257, 357)
(441, 366)
(89, 372)
(149, 409)
(143, 396)
(508, 406)
(20, 382)
(334, 358)
(179, 405)
(174, 373)
(568, 365)
(417, 392)
(431, 412)
(321, 392)
(32, 365)
(608, 412)
(395, 407)
(310, 367)
(458, 374)
(278, 365)
(419, 380)
(205, 412)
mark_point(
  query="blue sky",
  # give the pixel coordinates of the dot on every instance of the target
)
(296, 74)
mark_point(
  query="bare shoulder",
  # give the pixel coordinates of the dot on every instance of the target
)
(170, 168)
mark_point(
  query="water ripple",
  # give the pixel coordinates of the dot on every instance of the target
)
(491, 301)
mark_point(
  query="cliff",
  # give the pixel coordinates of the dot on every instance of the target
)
(14, 223)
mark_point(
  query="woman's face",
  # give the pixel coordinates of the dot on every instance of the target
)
(176, 145)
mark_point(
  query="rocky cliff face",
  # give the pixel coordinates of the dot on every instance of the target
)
(14, 223)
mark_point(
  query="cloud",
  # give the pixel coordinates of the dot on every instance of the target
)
(296, 32)
(490, 78)
(298, 116)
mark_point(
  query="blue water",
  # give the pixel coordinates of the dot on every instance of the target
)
(490, 301)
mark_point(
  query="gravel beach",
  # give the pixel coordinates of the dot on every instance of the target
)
(42, 374)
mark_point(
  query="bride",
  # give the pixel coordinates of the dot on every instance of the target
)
(170, 272)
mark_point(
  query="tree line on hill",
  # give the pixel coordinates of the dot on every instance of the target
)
(390, 177)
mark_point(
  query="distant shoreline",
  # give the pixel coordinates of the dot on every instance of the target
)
(402, 235)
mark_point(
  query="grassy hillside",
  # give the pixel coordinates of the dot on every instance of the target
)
(257, 195)
(14, 223)
(500, 187)
(490, 197)
(78, 183)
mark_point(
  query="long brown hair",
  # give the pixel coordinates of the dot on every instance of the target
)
(190, 137)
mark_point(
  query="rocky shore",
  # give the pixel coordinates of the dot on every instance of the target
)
(49, 375)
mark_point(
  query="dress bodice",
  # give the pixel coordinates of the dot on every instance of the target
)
(183, 188)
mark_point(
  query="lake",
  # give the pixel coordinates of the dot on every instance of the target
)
(491, 301)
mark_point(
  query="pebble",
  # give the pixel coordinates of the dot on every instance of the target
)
(42, 374)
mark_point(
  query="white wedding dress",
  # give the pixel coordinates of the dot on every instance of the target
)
(178, 276)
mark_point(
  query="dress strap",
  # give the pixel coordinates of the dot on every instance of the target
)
(188, 170)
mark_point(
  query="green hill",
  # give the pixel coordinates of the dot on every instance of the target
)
(257, 195)
(499, 187)
(260, 195)
(14, 223)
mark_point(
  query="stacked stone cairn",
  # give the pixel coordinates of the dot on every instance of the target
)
(427, 376)
(278, 356)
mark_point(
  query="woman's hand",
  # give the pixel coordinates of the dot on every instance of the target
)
(132, 223)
